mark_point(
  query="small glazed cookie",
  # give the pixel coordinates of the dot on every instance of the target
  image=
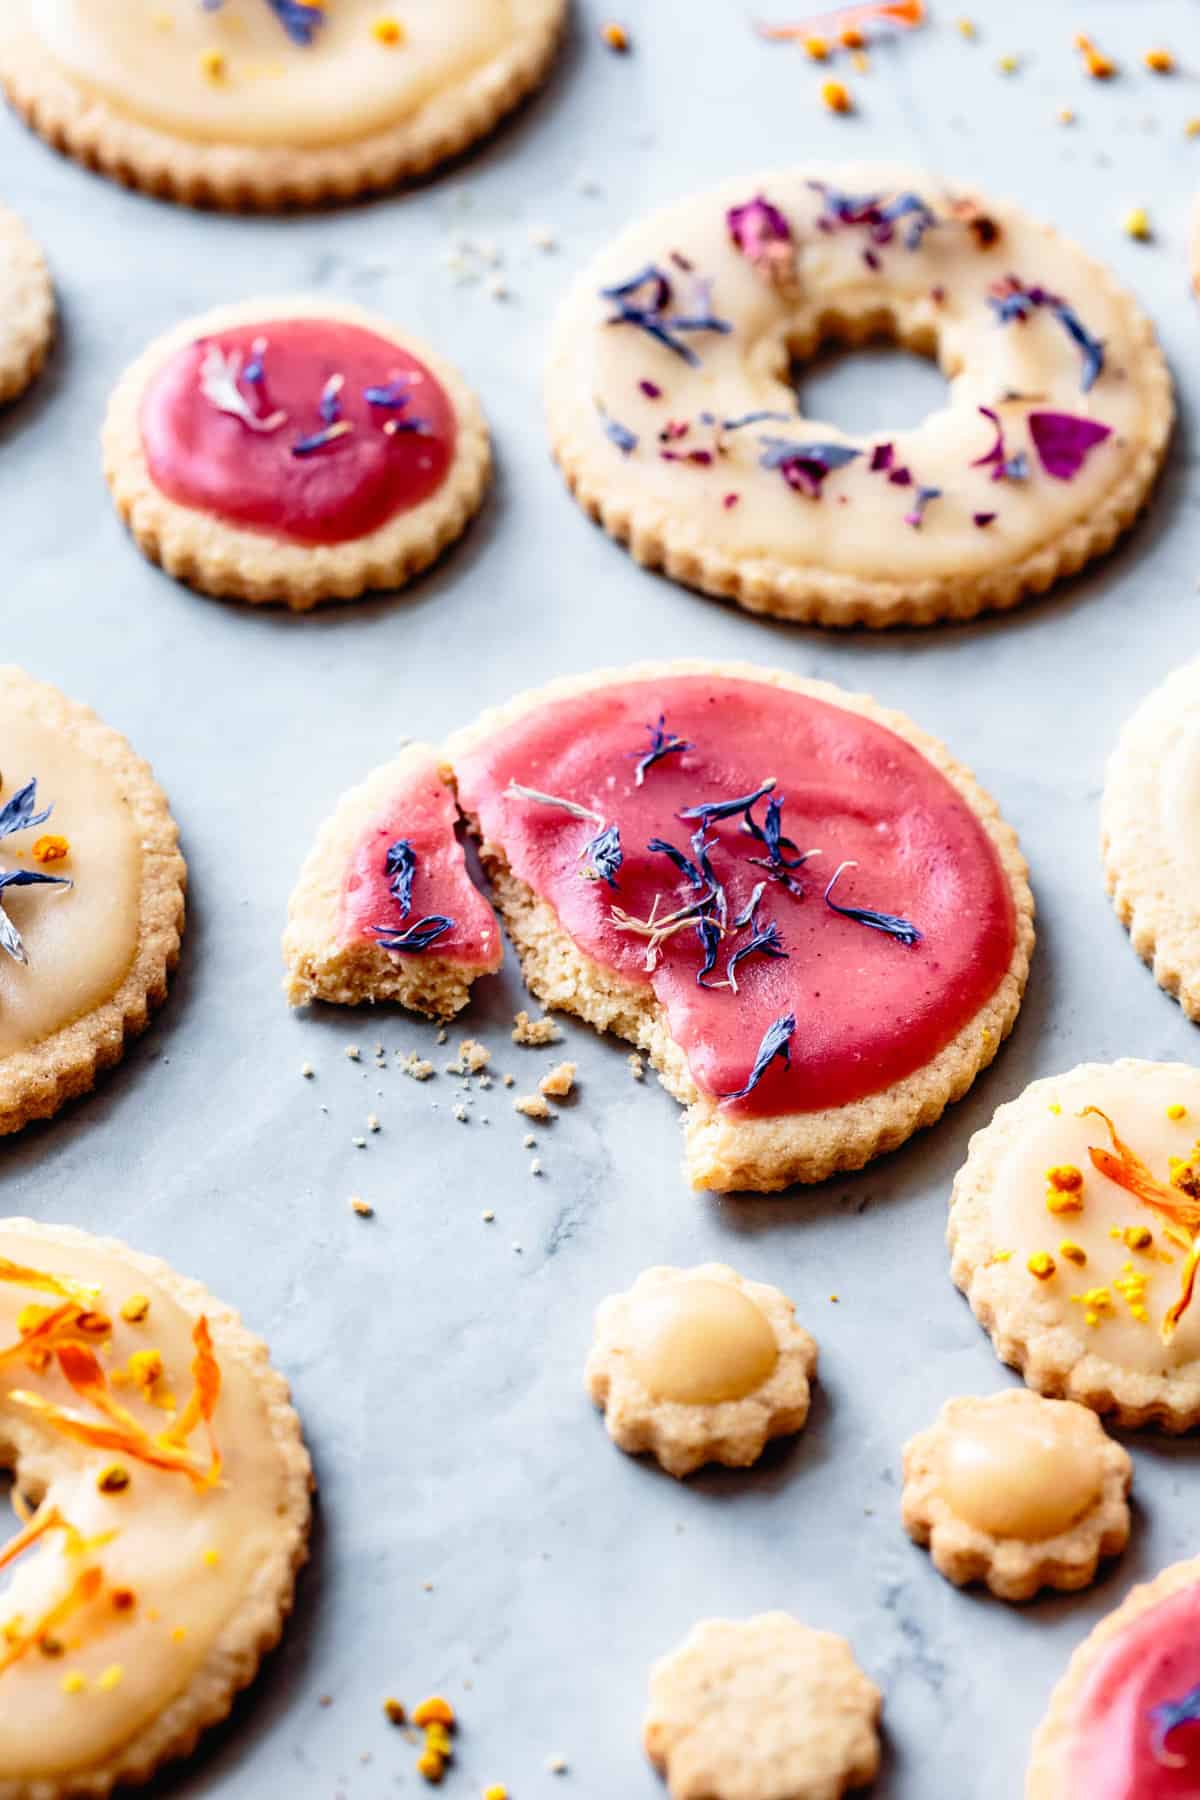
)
(91, 898)
(1124, 1721)
(699, 1366)
(762, 1709)
(1075, 1232)
(26, 307)
(1016, 1491)
(270, 103)
(384, 908)
(1149, 831)
(294, 451)
(673, 414)
(172, 1511)
(806, 913)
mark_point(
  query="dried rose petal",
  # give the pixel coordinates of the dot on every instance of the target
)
(1064, 441)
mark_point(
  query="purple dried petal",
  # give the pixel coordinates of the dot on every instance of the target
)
(982, 519)
(1064, 441)
(882, 457)
(755, 225)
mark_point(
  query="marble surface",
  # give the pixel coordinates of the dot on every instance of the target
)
(476, 1531)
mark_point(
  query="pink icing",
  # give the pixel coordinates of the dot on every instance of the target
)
(423, 811)
(1113, 1751)
(868, 1010)
(213, 461)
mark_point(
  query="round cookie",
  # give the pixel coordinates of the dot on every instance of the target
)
(1124, 1721)
(384, 908)
(91, 897)
(1075, 1233)
(762, 1709)
(270, 103)
(172, 1511)
(875, 903)
(1148, 829)
(1018, 1492)
(672, 412)
(26, 308)
(294, 451)
(698, 1366)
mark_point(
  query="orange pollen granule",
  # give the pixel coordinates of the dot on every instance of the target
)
(1098, 66)
(50, 848)
(836, 97)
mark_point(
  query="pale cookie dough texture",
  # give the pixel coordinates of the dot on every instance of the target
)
(172, 1512)
(762, 1709)
(1150, 833)
(84, 954)
(256, 104)
(26, 308)
(1075, 1234)
(1018, 1492)
(229, 561)
(672, 412)
(698, 1366)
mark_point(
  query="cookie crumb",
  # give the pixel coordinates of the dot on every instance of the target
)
(534, 1033)
(535, 1167)
(636, 1066)
(509, 1080)
(307, 1070)
(362, 1207)
(473, 1056)
(533, 1106)
(415, 1066)
(460, 1113)
(559, 1082)
(372, 1122)
(556, 1764)
(488, 1216)
(352, 1052)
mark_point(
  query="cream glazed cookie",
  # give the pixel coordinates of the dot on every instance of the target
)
(91, 898)
(1075, 1232)
(384, 908)
(26, 307)
(672, 414)
(762, 1709)
(805, 912)
(164, 1517)
(1148, 834)
(294, 451)
(270, 103)
(1018, 1492)
(1124, 1721)
(700, 1365)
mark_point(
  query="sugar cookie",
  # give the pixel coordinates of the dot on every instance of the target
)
(809, 916)
(91, 898)
(672, 413)
(699, 1366)
(1018, 1492)
(294, 450)
(26, 307)
(172, 1511)
(270, 103)
(1075, 1231)
(1124, 1721)
(762, 1709)
(384, 908)
(1148, 830)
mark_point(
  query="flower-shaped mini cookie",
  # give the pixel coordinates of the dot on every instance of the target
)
(762, 1709)
(700, 1365)
(1018, 1492)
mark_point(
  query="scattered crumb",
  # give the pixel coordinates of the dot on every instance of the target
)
(967, 28)
(558, 1083)
(362, 1207)
(414, 1065)
(324, 1699)
(307, 1070)
(460, 1113)
(534, 1033)
(485, 1080)
(360, 1143)
(352, 1052)
(442, 1034)
(1066, 115)
(488, 1216)
(636, 1066)
(516, 1248)
(1192, 128)
(616, 37)
(542, 238)
(528, 1141)
(833, 1299)
(473, 1056)
(498, 288)
(372, 1122)
(509, 1080)
(534, 1107)
(556, 1764)
(535, 1167)
(1008, 65)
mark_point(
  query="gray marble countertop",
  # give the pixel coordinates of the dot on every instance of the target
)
(476, 1532)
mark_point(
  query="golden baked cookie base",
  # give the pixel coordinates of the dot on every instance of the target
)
(729, 1154)
(1150, 893)
(236, 177)
(1050, 1757)
(36, 1082)
(810, 594)
(1014, 1568)
(319, 966)
(233, 1660)
(684, 1437)
(28, 312)
(232, 563)
(1050, 1361)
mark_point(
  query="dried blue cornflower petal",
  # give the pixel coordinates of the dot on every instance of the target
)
(1011, 300)
(755, 418)
(880, 216)
(1167, 1718)
(777, 863)
(766, 941)
(10, 938)
(805, 466)
(602, 856)
(394, 393)
(301, 19)
(924, 497)
(901, 929)
(317, 440)
(687, 868)
(776, 1041)
(625, 440)
(330, 404)
(1003, 466)
(662, 743)
(18, 813)
(919, 214)
(712, 810)
(400, 865)
(643, 302)
(709, 933)
(418, 936)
